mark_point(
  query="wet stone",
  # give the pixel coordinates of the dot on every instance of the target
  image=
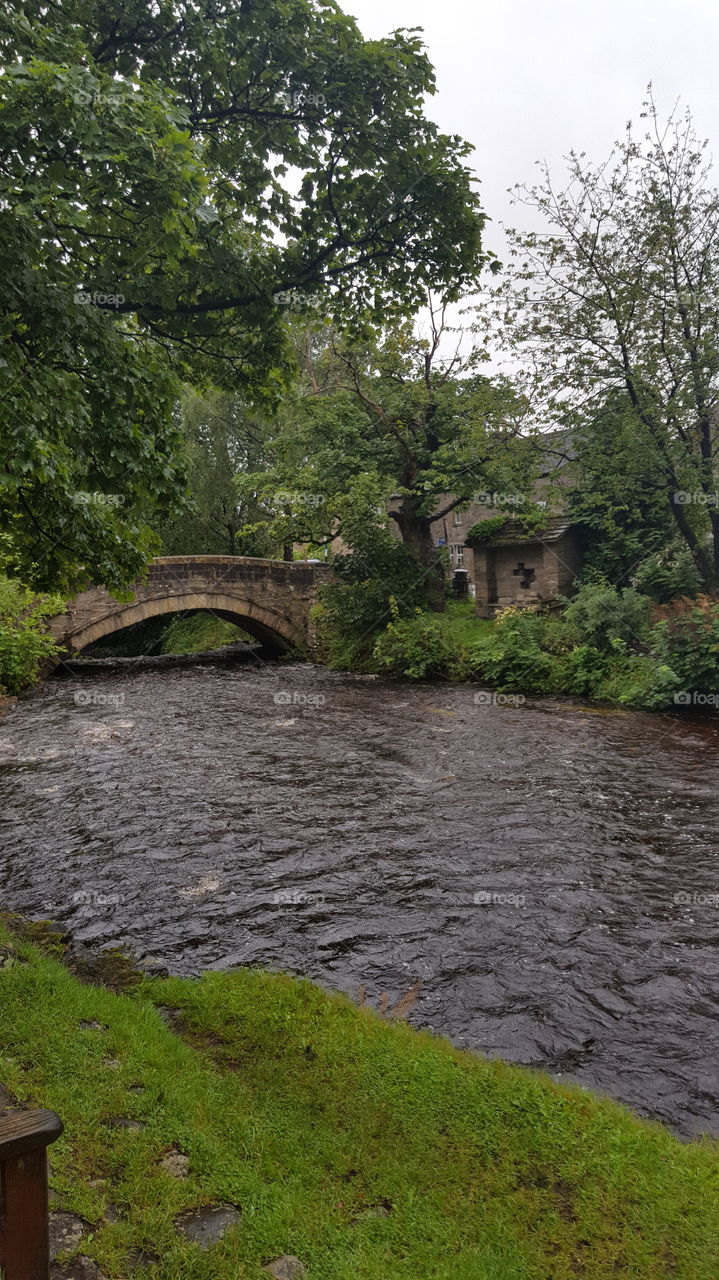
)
(288, 1267)
(81, 1268)
(175, 1162)
(66, 1232)
(206, 1226)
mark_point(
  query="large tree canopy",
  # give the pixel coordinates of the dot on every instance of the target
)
(173, 177)
(619, 297)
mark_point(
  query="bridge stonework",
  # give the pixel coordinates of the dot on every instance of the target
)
(271, 599)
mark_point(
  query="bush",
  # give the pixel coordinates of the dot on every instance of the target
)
(687, 648)
(25, 643)
(667, 574)
(608, 619)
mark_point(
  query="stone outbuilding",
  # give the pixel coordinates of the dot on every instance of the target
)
(514, 567)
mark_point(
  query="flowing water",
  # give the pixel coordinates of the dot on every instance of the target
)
(546, 873)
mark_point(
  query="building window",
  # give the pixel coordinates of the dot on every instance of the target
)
(458, 517)
(457, 556)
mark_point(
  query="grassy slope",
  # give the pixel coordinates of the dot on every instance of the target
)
(308, 1112)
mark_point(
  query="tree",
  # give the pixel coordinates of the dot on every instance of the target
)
(221, 438)
(621, 297)
(173, 177)
(428, 425)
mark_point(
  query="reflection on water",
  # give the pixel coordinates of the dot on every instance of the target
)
(548, 873)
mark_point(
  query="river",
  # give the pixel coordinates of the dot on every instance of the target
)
(542, 877)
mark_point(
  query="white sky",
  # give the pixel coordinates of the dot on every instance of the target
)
(525, 80)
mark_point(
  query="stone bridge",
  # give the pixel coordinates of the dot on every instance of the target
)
(270, 599)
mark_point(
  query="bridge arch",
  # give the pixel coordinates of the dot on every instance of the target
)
(264, 624)
(270, 599)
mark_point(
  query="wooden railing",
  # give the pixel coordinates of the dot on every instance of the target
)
(24, 1139)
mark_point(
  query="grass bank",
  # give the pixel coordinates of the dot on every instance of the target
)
(367, 1150)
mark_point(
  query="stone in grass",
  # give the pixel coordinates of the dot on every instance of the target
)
(206, 1226)
(92, 1024)
(66, 1232)
(124, 1122)
(81, 1268)
(137, 1258)
(175, 1162)
(288, 1267)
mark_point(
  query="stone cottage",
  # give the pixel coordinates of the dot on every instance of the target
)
(513, 567)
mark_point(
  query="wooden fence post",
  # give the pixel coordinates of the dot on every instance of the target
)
(24, 1139)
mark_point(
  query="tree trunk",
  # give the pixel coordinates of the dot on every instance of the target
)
(416, 534)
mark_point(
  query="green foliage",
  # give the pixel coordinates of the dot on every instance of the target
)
(688, 647)
(199, 631)
(514, 660)
(484, 530)
(25, 643)
(376, 580)
(150, 234)
(424, 426)
(365, 1147)
(600, 648)
(667, 574)
(221, 438)
(428, 646)
(606, 618)
(612, 309)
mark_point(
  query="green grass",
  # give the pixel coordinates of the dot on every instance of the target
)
(309, 1113)
(200, 631)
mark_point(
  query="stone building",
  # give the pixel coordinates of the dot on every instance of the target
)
(516, 568)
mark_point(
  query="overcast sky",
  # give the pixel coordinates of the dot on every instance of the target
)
(524, 80)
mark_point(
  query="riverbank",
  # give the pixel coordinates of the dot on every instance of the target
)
(606, 646)
(357, 1147)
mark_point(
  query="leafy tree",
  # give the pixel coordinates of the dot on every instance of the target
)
(222, 437)
(429, 426)
(618, 499)
(173, 177)
(621, 297)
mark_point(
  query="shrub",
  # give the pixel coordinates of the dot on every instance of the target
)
(25, 643)
(608, 619)
(687, 646)
(418, 647)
